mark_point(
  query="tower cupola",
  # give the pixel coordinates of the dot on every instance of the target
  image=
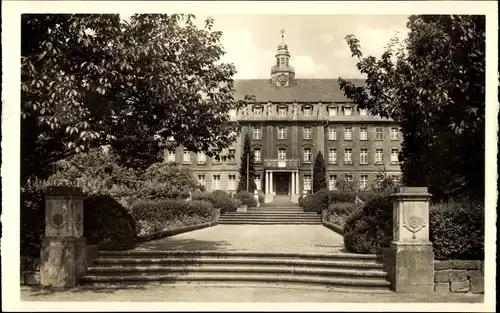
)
(282, 74)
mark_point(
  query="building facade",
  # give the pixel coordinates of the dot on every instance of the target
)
(289, 122)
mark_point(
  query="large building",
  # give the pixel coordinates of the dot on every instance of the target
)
(288, 123)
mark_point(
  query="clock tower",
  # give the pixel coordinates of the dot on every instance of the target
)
(282, 74)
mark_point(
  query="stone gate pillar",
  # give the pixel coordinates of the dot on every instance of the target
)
(63, 250)
(411, 257)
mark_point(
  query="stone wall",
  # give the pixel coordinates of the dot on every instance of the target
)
(30, 268)
(30, 271)
(459, 276)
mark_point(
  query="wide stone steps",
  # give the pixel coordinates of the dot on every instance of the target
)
(270, 215)
(333, 270)
(271, 222)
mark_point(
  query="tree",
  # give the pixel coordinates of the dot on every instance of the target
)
(91, 80)
(319, 173)
(247, 160)
(432, 84)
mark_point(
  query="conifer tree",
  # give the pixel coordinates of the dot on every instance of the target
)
(247, 156)
(319, 173)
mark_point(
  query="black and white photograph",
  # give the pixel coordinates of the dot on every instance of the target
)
(235, 155)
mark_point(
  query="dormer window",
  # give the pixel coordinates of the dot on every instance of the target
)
(363, 112)
(257, 111)
(332, 111)
(307, 111)
(282, 111)
(347, 111)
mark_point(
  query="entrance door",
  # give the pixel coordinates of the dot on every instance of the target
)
(282, 182)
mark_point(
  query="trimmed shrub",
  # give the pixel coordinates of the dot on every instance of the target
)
(236, 202)
(369, 228)
(246, 198)
(219, 200)
(157, 215)
(108, 224)
(316, 202)
(457, 229)
(338, 213)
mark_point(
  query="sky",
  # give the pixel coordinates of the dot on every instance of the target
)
(316, 42)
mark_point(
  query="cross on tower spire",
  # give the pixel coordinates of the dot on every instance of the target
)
(282, 36)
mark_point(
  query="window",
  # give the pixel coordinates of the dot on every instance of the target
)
(171, 156)
(281, 132)
(281, 154)
(379, 133)
(257, 111)
(258, 182)
(378, 180)
(307, 111)
(307, 133)
(379, 156)
(201, 180)
(363, 156)
(202, 159)
(257, 133)
(394, 156)
(231, 182)
(332, 156)
(363, 133)
(363, 112)
(348, 179)
(332, 111)
(348, 133)
(395, 179)
(332, 133)
(216, 159)
(307, 155)
(363, 183)
(231, 158)
(216, 182)
(282, 111)
(394, 133)
(307, 182)
(257, 155)
(282, 61)
(187, 157)
(347, 111)
(332, 182)
(348, 156)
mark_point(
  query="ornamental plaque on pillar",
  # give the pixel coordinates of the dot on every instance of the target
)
(63, 249)
(411, 256)
(64, 213)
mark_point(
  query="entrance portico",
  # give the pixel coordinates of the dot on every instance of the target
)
(281, 179)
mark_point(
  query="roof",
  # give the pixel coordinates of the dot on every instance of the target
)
(302, 90)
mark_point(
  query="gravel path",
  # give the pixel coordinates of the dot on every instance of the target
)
(268, 238)
(203, 292)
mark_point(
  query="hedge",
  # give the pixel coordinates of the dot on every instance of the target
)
(32, 222)
(157, 215)
(108, 224)
(456, 228)
(320, 200)
(219, 199)
(338, 213)
(246, 198)
(369, 228)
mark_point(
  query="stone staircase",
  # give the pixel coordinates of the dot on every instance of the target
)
(336, 270)
(272, 214)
